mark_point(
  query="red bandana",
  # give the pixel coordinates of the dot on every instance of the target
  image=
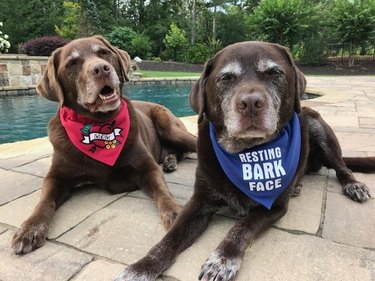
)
(101, 141)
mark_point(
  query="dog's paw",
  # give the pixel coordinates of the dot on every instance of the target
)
(357, 191)
(169, 209)
(219, 268)
(296, 190)
(29, 237)
(170, 163)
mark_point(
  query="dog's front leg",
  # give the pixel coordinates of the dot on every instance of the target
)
(33, 232)
(224, 263)
(188, 226)
(153, 183)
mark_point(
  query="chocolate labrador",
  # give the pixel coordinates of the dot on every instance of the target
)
(100, 137)
(254, 145)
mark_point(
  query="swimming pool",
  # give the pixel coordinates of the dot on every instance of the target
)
(26, 117)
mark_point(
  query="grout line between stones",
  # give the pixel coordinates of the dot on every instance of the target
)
(319, 232)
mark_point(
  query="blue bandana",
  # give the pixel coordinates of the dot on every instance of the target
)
(263, 172)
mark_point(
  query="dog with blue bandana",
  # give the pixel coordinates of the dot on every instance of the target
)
(255, 143)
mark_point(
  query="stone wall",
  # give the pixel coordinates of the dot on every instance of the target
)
(20, 72)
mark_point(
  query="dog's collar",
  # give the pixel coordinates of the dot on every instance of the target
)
(102, 141)
(263, 172)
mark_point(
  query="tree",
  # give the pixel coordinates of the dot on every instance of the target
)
(69, 28)
(26, 19)
(353, 22)
(175, 40)
(121, 37)
(141, 46)
(286, 22)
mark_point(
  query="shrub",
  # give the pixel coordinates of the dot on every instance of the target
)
(198, 53)
(286, 22)
(141, 46)
(174, 41)
(42, 46)
(121, 37)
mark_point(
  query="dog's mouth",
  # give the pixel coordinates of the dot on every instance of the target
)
(107, 99)
(108, 94)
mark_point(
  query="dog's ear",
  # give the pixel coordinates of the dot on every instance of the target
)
(197, 97)
(49, 85)
(299, 78)
(123, 58)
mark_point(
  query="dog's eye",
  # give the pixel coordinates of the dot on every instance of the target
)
(103, 52)
(72, 62)
(273, 71)
(227, 77)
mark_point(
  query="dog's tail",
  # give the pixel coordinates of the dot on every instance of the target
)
(360, 164)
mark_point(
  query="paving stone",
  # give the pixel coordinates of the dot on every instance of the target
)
(2, 229)
(367, 121)
(82, 204)
(356, 142)
(123, 231)
(285, 257)
(99, 271)
(181, 193)
(188, 263)
(51, 262)
(19, 153)
(14, 185)
(335, 120)
(281, 256)
(185, 173)
(38, 167)
(349, 222)
(304, 212)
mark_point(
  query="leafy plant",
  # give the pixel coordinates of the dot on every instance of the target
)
(175, 40)
(198, 53)
(353, 21)
(141, 46)
(122, 37)
(285, 22)
(69, 28)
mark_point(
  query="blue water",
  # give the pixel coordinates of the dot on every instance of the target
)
(26, 117)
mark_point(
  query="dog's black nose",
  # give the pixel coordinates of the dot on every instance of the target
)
(101, 69)
(250, 103)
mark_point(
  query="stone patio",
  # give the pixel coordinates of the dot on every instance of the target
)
(94, 235)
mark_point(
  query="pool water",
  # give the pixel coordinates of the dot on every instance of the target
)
(26, 117)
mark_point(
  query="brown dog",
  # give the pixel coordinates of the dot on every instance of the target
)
(126, 139)
(248, 100)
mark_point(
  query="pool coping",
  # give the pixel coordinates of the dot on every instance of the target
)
(31, 90)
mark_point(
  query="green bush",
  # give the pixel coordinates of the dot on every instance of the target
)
(175, 41)
(141, 46)
(286, 22)
(121, 37)
(198, 53)
(353, 20)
